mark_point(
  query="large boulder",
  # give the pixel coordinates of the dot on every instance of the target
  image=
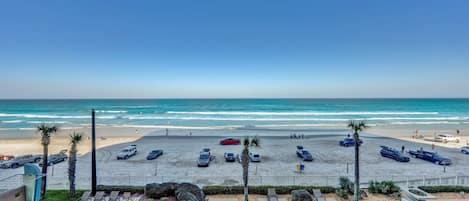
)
(157, 191)
(191, 188)
(301, 195)
(185, 196)
(182, 191)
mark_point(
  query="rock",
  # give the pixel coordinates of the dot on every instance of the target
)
(167, 191)
(157, 191)
(191, 188)
(301, 195)
(185, 196)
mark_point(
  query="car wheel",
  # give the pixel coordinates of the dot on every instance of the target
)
(14, 166)
(37, 160)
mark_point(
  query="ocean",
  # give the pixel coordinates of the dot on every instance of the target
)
(234, 113)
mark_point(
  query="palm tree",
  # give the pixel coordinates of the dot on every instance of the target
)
(75, 138)
(356, 127)
(46, 132)
(245, 161)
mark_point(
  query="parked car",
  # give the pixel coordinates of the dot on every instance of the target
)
(55, 158)
(393, 154)
(154, 154)
(230, 141)
(347, 142)
(304, 154)
(254, 157)
(127, 152)
(5, 157)
(447, 138)
(19, 161)
(205, 150)
(465, 150)
(204, 159)
(430, 156)
(230, 157)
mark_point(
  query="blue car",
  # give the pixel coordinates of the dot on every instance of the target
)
(393, 154)
(304, 154)
(347, 142)
(430, 156)
(154, 154)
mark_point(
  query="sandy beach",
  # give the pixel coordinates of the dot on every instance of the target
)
(277, 167)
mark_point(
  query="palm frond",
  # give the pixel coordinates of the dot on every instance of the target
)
(76, 138)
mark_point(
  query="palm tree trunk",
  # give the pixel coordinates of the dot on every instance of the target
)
(356, 189)
(245, 163)
(45, 160)
(71, 169)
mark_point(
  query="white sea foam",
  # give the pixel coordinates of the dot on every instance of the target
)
(39, 116)
(423, 122)
(43, 116)
(111, 111)
(231, 119)
(285, 119)
(47, 122)
(304, 113)
(415, 118)
(12, 121)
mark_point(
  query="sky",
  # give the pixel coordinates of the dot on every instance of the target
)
(234, 49)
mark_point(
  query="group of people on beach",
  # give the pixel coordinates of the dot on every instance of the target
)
(297, 136)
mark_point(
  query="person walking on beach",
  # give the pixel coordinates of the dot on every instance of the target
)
(166, 132)
(457, 132)
(403, 148)
(433, 146)
(348, 135)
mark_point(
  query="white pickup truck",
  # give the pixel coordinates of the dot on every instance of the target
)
(127, 152)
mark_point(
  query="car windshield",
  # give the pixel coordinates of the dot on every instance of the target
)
(229, 154)
(256, 155)
(305, 152)
(204, 156)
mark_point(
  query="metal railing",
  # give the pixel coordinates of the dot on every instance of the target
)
(55, 182)
(11, 182)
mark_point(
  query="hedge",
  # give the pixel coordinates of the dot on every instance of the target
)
(262, 190)
(213, 190)
(132, 189)
(442, 189)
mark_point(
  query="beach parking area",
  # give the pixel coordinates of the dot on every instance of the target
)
(278, 165)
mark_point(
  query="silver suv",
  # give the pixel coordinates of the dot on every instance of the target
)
(20, 161)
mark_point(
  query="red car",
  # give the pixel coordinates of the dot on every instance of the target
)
(230, 141)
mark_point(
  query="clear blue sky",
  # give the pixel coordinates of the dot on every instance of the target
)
(252, 48)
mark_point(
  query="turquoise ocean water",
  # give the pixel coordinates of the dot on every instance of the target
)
(234, 113)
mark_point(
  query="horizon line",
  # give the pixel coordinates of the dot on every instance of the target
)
(232, 98)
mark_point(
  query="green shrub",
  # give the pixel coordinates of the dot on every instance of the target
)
(132, 189)
(346, 184)
(262, 190)
(61, 195)
(438, 189)
(384, 187)
(342, 193)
